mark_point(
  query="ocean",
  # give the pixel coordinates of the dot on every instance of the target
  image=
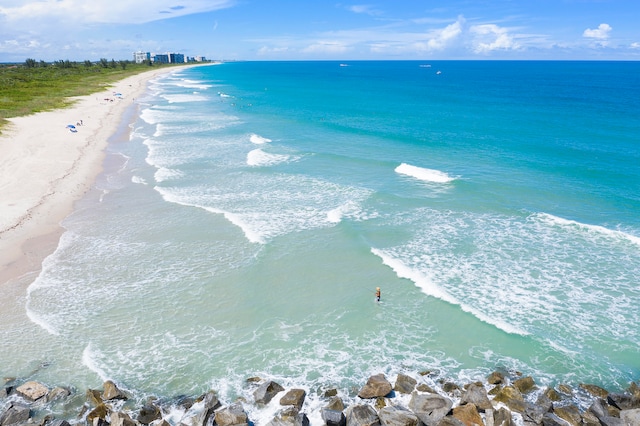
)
(242, 228)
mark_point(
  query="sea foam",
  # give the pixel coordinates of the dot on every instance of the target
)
(257, 139)
(429, 288)
(427, 175)
(595, 230)
(258, 158)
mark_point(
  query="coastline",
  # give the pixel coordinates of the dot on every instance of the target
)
(47, 167)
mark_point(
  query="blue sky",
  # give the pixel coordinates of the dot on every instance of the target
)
(321, 29)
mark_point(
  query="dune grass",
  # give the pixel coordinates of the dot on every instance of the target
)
(29, 88)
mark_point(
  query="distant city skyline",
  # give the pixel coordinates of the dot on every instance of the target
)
(321, 30)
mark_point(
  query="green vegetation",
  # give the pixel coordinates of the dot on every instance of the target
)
(36, 86)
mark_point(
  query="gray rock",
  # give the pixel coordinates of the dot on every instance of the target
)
(266, 391)
(203, 410)
(57, 422)
(623, 401)
(594, 390)
(405, 384)
(232, 415)
(630, 417)
(159, 422)
(550, 419)
(290, 417)
(14, 414)
(333, 417)
(148, 413)
(397, 416)
(502, 417)
(32, 391)
(362, 415)
(430, 408)
(57, 393)
(476, 395)
(377, 386)
(533, 413)
(294, 397)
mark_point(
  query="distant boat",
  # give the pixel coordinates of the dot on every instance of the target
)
(438, 72)
(425, 66)
(344, 65)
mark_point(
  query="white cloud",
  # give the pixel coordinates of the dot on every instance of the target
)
(635, 45)
(600, 33)
(363, 8)
(324, 47)
(105, 11)
(442, 38)
(490, 37)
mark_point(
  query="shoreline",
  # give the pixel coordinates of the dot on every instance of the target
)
(47, 167)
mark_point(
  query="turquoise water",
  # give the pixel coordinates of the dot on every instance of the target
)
(243, 228)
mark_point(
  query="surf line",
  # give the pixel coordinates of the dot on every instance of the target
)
(423, 283)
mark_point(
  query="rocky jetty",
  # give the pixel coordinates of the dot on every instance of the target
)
(498, 401)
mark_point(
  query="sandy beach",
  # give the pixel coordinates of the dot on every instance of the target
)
(46, 166)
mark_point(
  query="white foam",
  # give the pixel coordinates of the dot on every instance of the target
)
(184, 98)
(257, 139)
(429, 288)
(350, 208)
(164, 174)
(426, 175)
(89, 360)
(591, 229)
(138, 180)
(259, 158)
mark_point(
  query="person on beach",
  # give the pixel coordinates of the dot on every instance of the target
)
(377, 294)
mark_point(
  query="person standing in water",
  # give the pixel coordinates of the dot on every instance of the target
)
(377, 294)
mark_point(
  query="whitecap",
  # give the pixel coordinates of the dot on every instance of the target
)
(596, 230)
(427, 175)
(257, 139)
(258, 157)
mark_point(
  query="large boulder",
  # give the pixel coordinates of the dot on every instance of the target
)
(594, 390)
(405, 384)
(569, 413)
(430, 408)
(623, 401)
(15, 414)
(98, 415)
(468, 414)
(200, 412)
(335, 403)
(362, 415)
(57, 393)
(511, 397)
(377, 386)
(232, 415)
(289, 417)
(266, 391)
(294, 397)
(397, 416)
(32, 391)
(333, 417)
(495, 378)
(121, 419)
(550, 419)
(476, 395)
(600, 409)
(630, 417)
(502, 417)
(111, 391)
(525, 384)
(148, 413)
